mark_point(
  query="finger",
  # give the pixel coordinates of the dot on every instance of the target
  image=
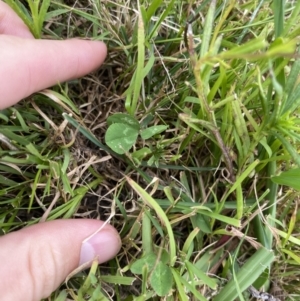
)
(37, 259)
(28, 66)
(11, 23)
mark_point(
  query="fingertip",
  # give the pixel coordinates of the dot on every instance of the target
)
(91, 55)
(103, 245)
(65, 60)
(102, 48)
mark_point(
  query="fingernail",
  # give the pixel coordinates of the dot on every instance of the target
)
(104, 245)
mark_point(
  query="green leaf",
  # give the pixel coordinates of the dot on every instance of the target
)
(86, 133)
(147, 241)
(62, 100)
(23, 124)
(290, 148)
(292, 101)
(62, 296)
(131, 104)
(246, 276)
(290, 22)
(147, 198)
(278, 9)
(161, 18)
(192, 99)
(226, 219)
(32, 149)
(14, 137)
(161, 279)
(42, 14)
(245, 49)
(123, 118)
(120, 280)
(292, 255)
(54, 169)
(78, 12)
(268, 149)
(55, 13)
(149, 65)
(288, 178)
(179, 288)
(281, 47)
(152, 131)
(241, 126)
(202, 222)
(201, 275)
(152, 8)
(148, 260)
(121, 137)
(141, 153)
(21, 12)
(208, 27)
(7, 182)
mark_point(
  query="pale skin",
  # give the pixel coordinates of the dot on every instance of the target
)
(37, 259)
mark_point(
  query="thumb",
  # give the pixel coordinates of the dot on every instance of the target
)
(35, 260)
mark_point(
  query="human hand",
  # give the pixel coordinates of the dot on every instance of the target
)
(28, 65)
(35, 260)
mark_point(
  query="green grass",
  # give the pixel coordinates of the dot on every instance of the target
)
(212, 113)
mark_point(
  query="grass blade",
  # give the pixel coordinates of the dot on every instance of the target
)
(247, 275)
(289, 178)
(139, 67)
(278, 7)
(289, 147)
(208, 27)
(161, 214)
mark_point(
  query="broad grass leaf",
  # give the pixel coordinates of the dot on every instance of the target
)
(152, 8)
(247, 275)
(153, 130)
(137, 266)
(289, 178)
(121, 137)
(161, 279)
(123, 118)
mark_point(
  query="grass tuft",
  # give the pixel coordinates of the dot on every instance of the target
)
(205, 192)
